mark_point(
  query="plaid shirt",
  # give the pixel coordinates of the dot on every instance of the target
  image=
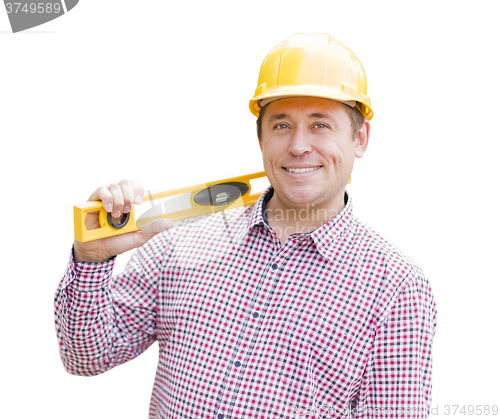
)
(333, 323)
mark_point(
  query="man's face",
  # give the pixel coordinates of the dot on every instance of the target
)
(308, 151)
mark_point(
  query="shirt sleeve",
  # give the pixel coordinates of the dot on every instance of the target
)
(397, 381)
(103, 321)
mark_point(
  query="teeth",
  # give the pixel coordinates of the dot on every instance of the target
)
(305, 170)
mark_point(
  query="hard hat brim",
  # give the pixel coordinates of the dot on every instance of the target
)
(310, 91)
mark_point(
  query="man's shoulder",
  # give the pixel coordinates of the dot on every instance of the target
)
(388, 270)
(375, 251)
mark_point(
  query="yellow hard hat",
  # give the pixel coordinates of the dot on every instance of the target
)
(312, 65)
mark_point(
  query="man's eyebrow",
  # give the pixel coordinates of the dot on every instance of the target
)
(285, 116)
(320, 115)
(278, 116)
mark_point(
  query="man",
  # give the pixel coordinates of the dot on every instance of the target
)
(294, 307)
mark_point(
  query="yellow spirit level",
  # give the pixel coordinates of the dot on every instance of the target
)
(189, 202)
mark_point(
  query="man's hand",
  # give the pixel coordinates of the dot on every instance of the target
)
(117, 198)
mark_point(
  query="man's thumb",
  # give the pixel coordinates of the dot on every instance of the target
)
(157, 226)
(153, 228)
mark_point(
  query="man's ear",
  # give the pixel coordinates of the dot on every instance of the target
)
(362, 139)
(257, 130)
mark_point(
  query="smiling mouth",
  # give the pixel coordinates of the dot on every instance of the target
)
(302, 169)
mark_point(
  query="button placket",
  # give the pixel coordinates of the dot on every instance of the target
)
(253, 327)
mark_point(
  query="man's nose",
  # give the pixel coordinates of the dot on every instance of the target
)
(300, 143)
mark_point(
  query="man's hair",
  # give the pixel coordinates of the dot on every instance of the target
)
(356, 120)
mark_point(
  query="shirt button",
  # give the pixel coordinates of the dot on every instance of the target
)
(237, 364)
(274, 266)
(220, 416)
(255, 314)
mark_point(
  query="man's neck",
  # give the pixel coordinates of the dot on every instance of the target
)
(287, 220)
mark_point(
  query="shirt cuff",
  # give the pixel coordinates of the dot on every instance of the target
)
(87, 276)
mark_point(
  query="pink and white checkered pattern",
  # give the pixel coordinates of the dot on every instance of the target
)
(331, 320)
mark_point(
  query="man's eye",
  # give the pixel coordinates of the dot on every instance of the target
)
(280, 126)
(321, 125)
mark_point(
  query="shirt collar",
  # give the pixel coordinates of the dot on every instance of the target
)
(325, 237)
(257, 214)
(328, 236)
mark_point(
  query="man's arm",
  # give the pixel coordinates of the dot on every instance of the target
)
(397, 382)
(102, 321)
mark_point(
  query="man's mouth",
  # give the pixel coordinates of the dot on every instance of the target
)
(301, 169)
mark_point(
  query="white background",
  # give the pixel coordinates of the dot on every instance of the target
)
(159, 91)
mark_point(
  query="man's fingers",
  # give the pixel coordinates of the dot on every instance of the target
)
(128, 195)
(138, 191)
(103, 194)
(118, 199)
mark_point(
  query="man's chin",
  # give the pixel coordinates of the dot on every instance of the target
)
(305, 198)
